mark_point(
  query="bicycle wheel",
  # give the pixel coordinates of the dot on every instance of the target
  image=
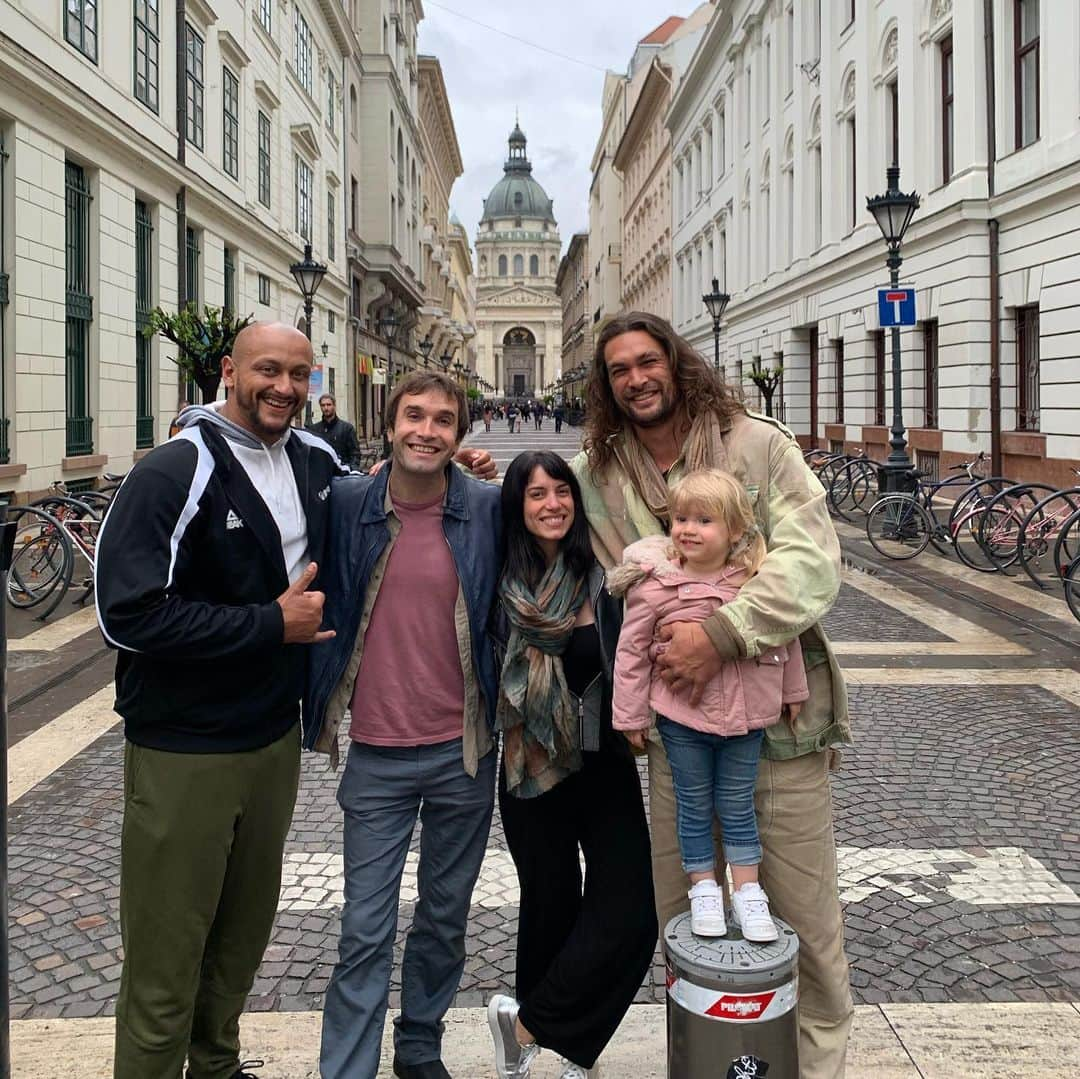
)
(1040, 529)
(851, 488)
(967, 532)
(898, 527)
(977, 494)
(1071, 580)
(42, 560)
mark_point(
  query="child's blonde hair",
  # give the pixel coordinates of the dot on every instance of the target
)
(720, 495)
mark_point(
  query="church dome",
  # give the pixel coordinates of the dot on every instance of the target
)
(517, 194)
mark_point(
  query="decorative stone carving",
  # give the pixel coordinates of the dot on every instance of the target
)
(891, 50)
(849, 93)
(940, 9)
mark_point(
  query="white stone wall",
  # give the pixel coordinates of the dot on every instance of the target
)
(57, 104)
(789, 269)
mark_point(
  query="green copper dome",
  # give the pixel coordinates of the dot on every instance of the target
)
(517, 194)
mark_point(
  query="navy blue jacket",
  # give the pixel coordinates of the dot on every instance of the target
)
(357, 536)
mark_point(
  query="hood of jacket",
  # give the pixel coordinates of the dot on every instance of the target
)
(232, 431)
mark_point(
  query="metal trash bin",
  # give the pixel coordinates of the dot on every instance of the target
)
(732, 1006)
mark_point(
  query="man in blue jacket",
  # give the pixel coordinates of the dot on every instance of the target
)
(410, 572)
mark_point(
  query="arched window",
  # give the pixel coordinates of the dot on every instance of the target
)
(534, 265)
(519, 265)
(502, 265)
(847, 120)
(814, 151)
(354, 111)
(400, 159)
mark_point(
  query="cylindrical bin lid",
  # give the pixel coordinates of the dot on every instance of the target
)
(729, 977)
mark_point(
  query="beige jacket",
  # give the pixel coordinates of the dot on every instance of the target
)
(795, 587)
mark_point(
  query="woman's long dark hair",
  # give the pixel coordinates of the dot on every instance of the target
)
(524, 559)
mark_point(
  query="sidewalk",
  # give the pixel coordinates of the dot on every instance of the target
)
(891, 1041)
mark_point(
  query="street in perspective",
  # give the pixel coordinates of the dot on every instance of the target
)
(260, 246)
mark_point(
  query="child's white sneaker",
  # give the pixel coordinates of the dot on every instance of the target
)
(707, 910)
(750, 909)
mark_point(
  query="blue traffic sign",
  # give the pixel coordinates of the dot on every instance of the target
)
(896, 306)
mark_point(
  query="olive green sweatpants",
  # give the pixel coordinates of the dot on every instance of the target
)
(200, 874)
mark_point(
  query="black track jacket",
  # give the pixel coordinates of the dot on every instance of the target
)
(189, 566)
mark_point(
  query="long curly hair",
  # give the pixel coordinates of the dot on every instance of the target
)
(699, 386)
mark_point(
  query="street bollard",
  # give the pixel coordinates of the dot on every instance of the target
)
(731, 1005)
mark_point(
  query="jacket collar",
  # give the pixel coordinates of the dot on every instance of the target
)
(455, 504)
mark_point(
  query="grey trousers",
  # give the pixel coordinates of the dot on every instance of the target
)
(382, 792)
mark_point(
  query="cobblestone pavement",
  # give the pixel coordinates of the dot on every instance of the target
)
(955, 818)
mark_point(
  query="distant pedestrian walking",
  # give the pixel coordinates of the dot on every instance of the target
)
(560, 415)
(487, 418)
(512, 416)
(538, 415)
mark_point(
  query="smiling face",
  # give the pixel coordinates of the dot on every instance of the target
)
(702, 538)
(548, 510)
(267, 379)
(641, 378)
(425, 433)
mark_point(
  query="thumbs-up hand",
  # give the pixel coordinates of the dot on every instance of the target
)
(302, 611)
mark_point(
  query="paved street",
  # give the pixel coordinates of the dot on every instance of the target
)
(955, 815)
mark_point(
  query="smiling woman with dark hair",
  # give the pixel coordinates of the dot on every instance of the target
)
(567, 783)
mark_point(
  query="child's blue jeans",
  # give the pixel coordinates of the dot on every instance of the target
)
(713, 775)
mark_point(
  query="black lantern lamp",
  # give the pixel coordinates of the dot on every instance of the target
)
(308, 275)
(716, 304)
(893, 212)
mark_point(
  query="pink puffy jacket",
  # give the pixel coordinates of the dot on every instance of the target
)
(745, 695)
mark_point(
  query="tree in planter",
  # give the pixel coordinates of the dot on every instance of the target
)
(204, 341)
(767, 379)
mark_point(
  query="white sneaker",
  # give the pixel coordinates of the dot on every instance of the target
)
(750, 909)
(707, 910)
(512, 1059)
(576, 1071)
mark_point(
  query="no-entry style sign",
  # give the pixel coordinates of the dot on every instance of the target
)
(896, 306)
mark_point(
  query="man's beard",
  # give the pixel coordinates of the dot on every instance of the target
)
(248, 404)
(669, 402)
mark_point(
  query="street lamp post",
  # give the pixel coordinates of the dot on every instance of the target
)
(716, 303)
(308, 275)
(893, 212)
(388, 327)
(425, 348)
(445, 358)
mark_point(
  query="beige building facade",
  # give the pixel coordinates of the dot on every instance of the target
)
(518, 313)
(442, 166)
(642, 161)
(116, 196)
(572, 285)
(385, 176)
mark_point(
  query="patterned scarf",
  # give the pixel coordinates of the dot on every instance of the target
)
(541, 741)
(703, 448)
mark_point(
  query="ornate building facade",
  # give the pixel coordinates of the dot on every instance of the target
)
(118, 194)
(518, 313)
(786, 121)
(572, 284)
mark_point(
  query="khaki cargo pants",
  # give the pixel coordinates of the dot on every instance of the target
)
(798, 872)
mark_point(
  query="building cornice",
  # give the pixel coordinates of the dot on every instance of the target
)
(700, 69)
(651, 98)
(430, 71)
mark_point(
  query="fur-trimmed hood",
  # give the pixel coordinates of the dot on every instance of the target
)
(653, 556)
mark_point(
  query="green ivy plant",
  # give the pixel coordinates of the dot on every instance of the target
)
(204, 339)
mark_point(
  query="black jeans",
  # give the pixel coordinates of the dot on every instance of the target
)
(581, 953)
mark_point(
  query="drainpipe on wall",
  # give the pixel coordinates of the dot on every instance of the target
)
(181, 157)
(993, 238)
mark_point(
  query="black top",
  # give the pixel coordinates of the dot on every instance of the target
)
(582, 660)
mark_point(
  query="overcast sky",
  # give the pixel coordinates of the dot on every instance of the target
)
(488, 75)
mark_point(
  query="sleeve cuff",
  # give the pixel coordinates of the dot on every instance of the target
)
(728, 644)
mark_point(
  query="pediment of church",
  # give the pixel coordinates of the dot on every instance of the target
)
(518, 296)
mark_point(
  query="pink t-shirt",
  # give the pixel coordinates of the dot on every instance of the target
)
(410, 690)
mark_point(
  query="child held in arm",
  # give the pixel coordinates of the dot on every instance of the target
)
(713, 748)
